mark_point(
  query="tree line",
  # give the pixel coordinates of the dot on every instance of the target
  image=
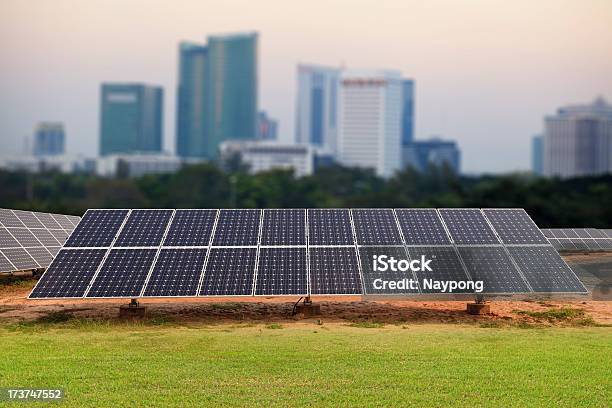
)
(580, 202)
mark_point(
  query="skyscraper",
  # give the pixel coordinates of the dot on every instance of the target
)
(420, 154)
(407, 111)
(537, 154)
(370, 108)
(217, 83)
(317, 106)
(191, 101)
(267, 128)
(131, 118)
(578, 140)
(49, 139)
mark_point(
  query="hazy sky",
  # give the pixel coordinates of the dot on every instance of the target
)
(486, 71)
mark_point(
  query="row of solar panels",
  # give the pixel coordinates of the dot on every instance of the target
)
(134, 253)
(579, 239)
(30, 240)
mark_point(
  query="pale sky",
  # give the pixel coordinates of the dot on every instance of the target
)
(486, 71)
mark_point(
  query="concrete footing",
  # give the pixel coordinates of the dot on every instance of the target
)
(478, 308)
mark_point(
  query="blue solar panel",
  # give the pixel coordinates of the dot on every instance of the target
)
(493, 267)
(282, 271)
(69, 274)
(237, 228)
(468, 226)
(191, 228)
(229, 272)
(373, 280)
(445, 265)
(422, 227)
(144, 228)
(284, 227)
(330, 227)
(514, 226)
(176, 273)
(334, 271)
(123, 273)
(376, 227)
(97, 228)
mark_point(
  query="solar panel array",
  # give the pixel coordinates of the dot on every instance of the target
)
(579, 239)
(30, 240)
(276, 252)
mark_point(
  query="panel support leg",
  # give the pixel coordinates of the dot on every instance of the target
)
(307, 308)
(132, 310)
(479, 307)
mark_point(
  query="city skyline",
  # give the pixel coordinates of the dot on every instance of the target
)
(478, 74)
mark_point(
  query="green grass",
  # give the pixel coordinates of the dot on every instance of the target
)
(570, 315)
(103, 363)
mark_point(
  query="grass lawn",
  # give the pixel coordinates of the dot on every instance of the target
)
(292, 364)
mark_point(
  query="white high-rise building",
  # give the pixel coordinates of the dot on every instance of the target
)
(317, 104)
(578, 140)
(369, 126)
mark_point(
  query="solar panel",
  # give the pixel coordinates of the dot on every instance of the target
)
(608, 232)
(595, 233)
(123, 273)
(40, 255)
(555, 243)
(284, 227)
(373, 279)
(5, 264)
(493, 266)
(97, 228)
(376, 227)
(330, 227)
(547, 233)
(422, 227)
(445, 265)
(334, 271)
(468, 226)
(63, 221)
(7, 240)
(144, 228)
(237, 228)
(53, 250)
(514, 226)
(229, 272)
(176, 273)
(24, 236)
(20, 258)
(46, 237)
(8, 219)
(282, 271)
(69, 274)
(191, 228)
(545, 270)
(29, 219)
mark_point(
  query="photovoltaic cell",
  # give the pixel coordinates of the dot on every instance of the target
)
(282, 271)
(46, 238)
(514, 226)
(69, 274)
(330, 227)
(547, 233)
(8, 219)
(422, 227)
(20, 258)
(97, 228)
(545, 270)
(493, 266)
(468, 226)
(29, 219)
(366, 255)
(445, 265)
(191, 228)
(237, 228)
(7, 240)
(144, 228)
(63, 221)
(334, 271)
(376, 227)
(284, 227)
(53, 250)
(123, 273)
(60, 235)
(176, 273)
(230, 271)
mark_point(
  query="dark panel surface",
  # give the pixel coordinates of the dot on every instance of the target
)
(144, 228)
(334, 270)
(237, 228)
(123, 273)
(97, 228)
(493, 266)
(330, 227)
(370, 276)
(514, 226)
(468, 226)
(176, 273)
(376, 227)
(191, 228)
(284, 227)
(230, 271)
(282, 271)
(422, 227)
(445, 265)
